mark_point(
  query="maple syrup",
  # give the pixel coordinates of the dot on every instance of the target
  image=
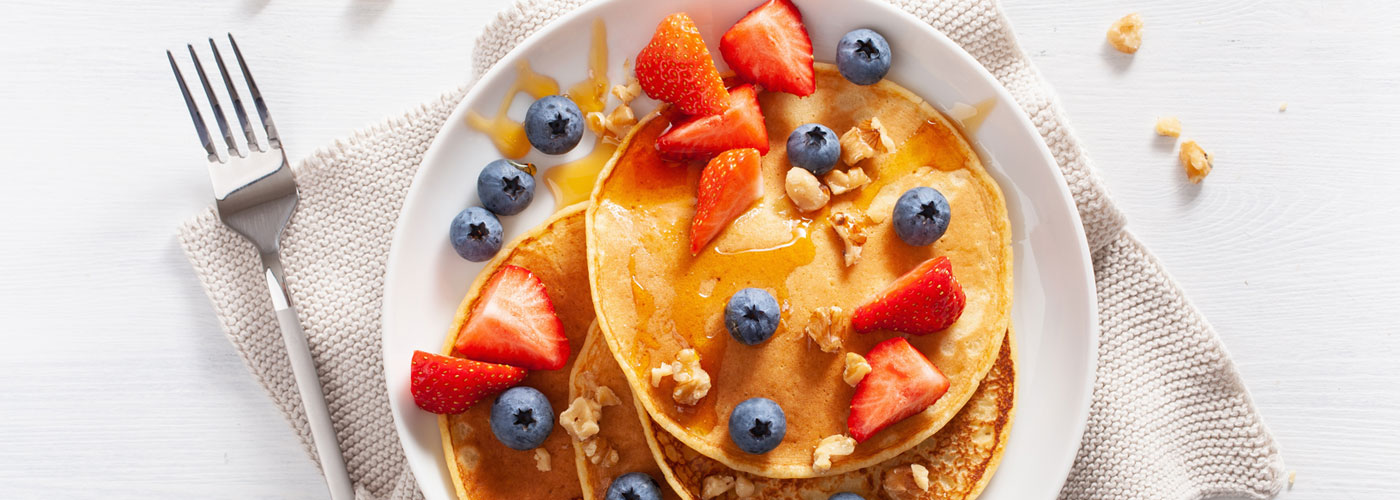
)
(509, 135)
(591, 94)
(974, 122)
(572, 182)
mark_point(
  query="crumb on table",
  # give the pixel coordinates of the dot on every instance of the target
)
(1126, 33)
(1169, 126)
(1196, 161)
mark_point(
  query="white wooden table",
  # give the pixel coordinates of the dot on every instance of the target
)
(116, 382)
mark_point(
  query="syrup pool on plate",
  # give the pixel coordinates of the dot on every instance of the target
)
(570, 182)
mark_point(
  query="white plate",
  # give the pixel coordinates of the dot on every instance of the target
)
(1054, 308)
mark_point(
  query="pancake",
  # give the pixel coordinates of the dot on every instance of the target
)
(654, 299)
(480, 466)
(960, 458)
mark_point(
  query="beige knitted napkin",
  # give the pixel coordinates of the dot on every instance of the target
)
(1170, 418)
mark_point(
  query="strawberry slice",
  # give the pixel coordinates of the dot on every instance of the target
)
(924, 300)
(701, 137)
(901, 383)
(770, 47)
(730, 183)
(446, 385)
(514, 323)
(676, 67)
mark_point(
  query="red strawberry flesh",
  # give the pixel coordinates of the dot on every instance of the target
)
(923, 301)
(770, 47)
(701, 137)
(676, 67)
(729, 185)
(514, 323)
(901, 383)
(446, 385)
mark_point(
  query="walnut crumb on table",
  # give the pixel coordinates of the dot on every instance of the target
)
(1126, 33)
(1169, 126)
(1196, 161)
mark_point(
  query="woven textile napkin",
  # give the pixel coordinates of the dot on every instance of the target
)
(1170, 418)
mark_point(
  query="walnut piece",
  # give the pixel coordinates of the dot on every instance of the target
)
(1126, 34)
(605, 396)
(835, 445)
(856, 369)
(1169, 126)
(620, 121)
(846, 181)
(626, 93)
(851, 228)
(599, 452)
(715, 486)
(864, 140)
(692, 382)
(743, 488)
(898, 484)
(920, 476)
(1195, 160)
(542, 460)
(827, 327)
(805, 190)
(581, 419)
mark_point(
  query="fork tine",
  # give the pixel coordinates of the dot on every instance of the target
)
(237, 102)
(199, 126)
(274, 141)
(214, 104)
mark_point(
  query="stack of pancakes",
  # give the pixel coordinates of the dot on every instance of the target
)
(631, 296)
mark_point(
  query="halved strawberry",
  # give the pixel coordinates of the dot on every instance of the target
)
(446, 385)
(740, 126)
(729, 184)
(924, 300)
(901, 383)
(514, 323)
(676, 67)
(770, 47)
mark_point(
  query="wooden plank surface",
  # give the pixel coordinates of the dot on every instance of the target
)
(118, 384)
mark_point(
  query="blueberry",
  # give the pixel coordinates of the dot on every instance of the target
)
(554, 125)
(863, 56)
(921, 216)
(845, 495)
(814, 147)
(521, 418)
(757, 425)
(751, 316)
(504, 188)
(634, 486)
(476, 234)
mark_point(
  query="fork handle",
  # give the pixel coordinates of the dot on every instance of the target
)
(318, 415)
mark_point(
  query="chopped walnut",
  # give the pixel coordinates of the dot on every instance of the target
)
(898, 484)
(692, 382)
(605, 396)
(716, 486)
(864, 140)
(597, 122)
(626, 93)
(827, 327)
(850, 180)
(1126, 34)
(542, 460)
(856, 369)
(1283, 106)
(620, 121)
(661, 372)
(920, 476)
(1196, 161)
(834, 445)
(743, 488)
(805, 190)
(851, 228)
(1169, 126)
(581, 419)
(599, 452)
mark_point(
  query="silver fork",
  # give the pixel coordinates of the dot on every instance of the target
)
(255, 195)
